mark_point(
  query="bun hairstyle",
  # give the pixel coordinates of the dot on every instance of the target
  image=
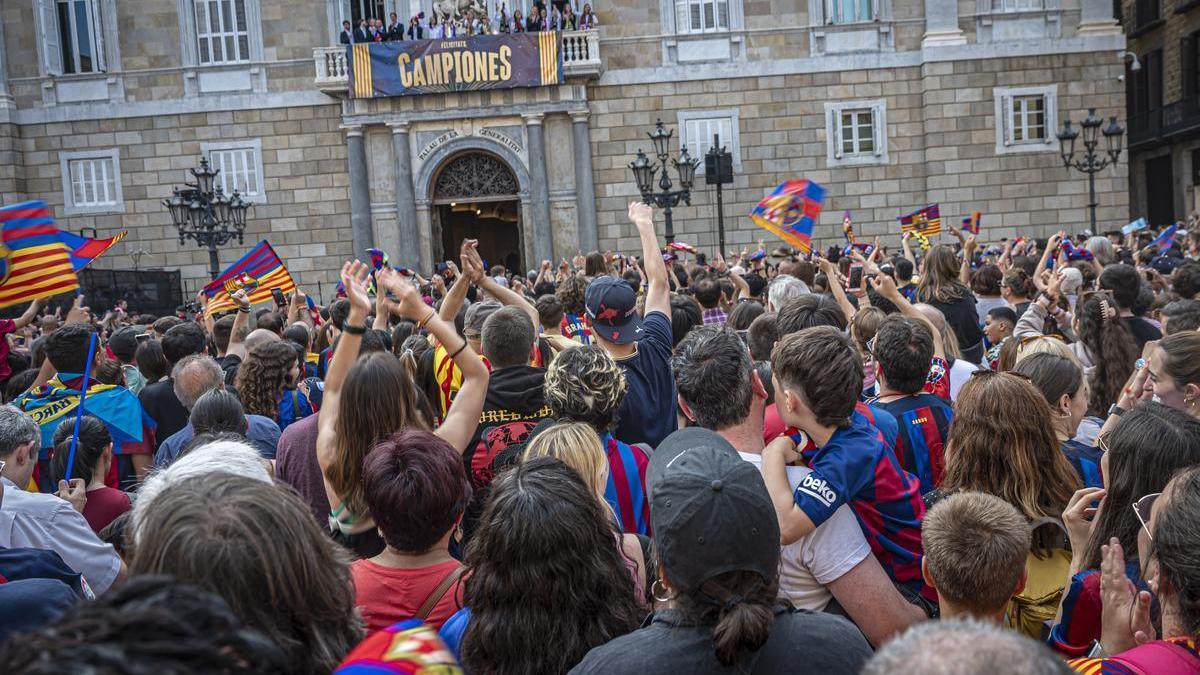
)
(93, 441)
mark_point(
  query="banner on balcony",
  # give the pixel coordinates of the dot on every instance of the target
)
(459, 64)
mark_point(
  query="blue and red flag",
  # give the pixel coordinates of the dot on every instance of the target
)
(1165, 239)
(84, 250)
(379, 260)
(34, 261)
(259, 271)
(926, 221)
(791, 211)
(971, 222)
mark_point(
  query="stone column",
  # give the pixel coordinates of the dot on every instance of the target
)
(585, 194)
(425, 237)
(539, 190)
(409, 252)
(6, 100)
(1096, 18)
(941, 24)
(360, 191)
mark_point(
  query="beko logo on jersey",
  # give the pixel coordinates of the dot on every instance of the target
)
(819, 489)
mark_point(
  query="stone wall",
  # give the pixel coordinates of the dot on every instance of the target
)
(304, 164)
(1166, 37)
(11, 165)
(941, 142)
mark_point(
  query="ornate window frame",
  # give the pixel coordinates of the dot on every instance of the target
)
(198, 78)
(1002, 98)
(57, 87)
(682, 46)
(254, 145)
(834, 157)
(70, 208)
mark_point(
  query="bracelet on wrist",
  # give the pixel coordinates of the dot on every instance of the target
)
(351, 329)
(459, 350)
(424, 322)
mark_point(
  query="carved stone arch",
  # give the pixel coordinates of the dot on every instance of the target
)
(431, 167)
(474, 175)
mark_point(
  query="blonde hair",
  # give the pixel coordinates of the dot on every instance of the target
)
(576, 445)
(1042, 344)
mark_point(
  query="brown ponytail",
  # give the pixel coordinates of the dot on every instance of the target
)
(741, 605)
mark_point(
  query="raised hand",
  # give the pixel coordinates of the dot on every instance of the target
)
(408, 301)
(1125, 611)
(641, 215)
(885, 286)
(78, 312)
(1079, 516)
(241, 299)
(354, 278)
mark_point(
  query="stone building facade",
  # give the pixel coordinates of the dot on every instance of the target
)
(1163, 98)
(891, 104)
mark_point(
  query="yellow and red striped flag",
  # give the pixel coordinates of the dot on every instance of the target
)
(259, 271)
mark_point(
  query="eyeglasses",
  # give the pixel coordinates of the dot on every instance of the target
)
(1142, 509)
(1102, 443)
(871, 346)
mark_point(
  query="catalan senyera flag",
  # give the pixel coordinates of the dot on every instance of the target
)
(258, 271)
(927, 221)
(34, 260)
(971, 223)
(790, 212)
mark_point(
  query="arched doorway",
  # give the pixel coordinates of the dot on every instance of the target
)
(475, 196)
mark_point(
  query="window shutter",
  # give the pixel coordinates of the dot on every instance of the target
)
(682, 24)
(1006, 119)
(1049, 103)
(836, 130)
(51, 43)
(95, 12)
(877, 131)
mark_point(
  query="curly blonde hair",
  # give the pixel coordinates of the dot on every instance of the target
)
(584, 384)
(262, 376)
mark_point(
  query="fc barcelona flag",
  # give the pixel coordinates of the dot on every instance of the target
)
(791, 211)
(971, 223)
(927, 221)
(258, 272)
(34, 261)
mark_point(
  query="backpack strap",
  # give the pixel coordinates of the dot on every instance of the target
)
(436, 596)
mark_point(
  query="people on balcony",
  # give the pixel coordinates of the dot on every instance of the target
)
(569, 21)
(587, 19)
(347, 35)
(362, 33)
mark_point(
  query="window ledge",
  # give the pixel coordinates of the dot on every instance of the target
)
(1146, 28)
(858, 160)
(105, 209)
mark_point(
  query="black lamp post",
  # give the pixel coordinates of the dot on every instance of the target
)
(205, 214)
(644, 170)
(1090, 162)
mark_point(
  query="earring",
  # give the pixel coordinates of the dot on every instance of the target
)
(659, 587)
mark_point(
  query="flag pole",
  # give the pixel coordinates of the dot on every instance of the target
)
(87, 373)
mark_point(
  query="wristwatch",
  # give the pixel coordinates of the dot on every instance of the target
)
(1116, 409)
(1097, 650)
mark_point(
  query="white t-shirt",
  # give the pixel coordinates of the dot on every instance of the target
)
(820, 557)
(960, 372)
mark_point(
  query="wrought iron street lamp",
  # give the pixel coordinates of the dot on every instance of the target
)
(205, 214)
(644, 171)
(1090, 162)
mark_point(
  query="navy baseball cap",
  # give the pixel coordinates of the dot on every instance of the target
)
(612, 307)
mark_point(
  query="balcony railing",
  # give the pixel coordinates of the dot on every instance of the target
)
(580, 50)
(1172, 120)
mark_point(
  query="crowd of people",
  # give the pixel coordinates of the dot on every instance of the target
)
(964, 459)
(558, 16)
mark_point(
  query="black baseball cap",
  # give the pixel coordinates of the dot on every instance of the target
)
(123, 342)
(612, 306)
(709, 510)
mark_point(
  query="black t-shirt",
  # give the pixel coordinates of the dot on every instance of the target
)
(161, 404)
(800, 641)
(963, 319)
(647, 415)
(230, 364)
(1143, 331)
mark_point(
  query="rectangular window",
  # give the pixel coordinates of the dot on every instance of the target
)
(91, 181)
(698, 135)
(857, 132)
(1147, 11)
(221, 31)
(701, 16)
(1027, 116)
(850, 11)
(1026, 119)
(239, 170)
(1189, 65)
(1017, 5)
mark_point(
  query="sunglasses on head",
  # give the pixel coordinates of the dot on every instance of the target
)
(1142, 509)
(984, 373)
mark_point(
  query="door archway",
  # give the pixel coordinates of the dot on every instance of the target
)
(476, 195)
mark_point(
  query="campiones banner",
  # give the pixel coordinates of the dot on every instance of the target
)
(406, 68)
